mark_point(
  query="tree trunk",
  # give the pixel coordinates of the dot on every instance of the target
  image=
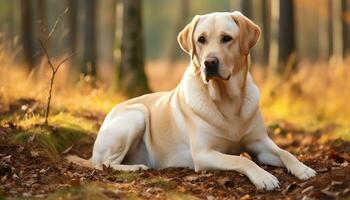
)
(183, 10)
(323, 30)
(286, 36)
(89, 64)
(72, 24)
(132, 79)
(335, 31)
(330, 28)
(346, 27)
(42, 18)
(266, 21)
(26, 33)
(236, 5)
(107, 47)
(247, 8)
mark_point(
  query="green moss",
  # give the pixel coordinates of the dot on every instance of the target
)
(62, 119)
(127, 176)
(54, 139)
(162, 183)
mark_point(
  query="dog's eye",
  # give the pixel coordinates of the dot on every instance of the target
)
(201, 39)
(226, 39)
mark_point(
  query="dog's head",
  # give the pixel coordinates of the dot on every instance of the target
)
(216, 41)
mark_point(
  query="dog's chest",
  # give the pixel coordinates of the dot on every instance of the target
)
(232, 130)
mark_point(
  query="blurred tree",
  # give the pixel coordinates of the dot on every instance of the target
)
(41, 25)
(132, 77)
(236, 5)
(247, 8)
(183, 10)
(330, 27)
(323, 29)
(8, 22)
(335, 30)
(108, 41)
(266, 20)
(286, 36)
(27, 32)
(89, 63)
(346, 26)
(42, 18)
(72, 24)
(261, 16)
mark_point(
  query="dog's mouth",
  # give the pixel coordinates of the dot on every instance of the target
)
(209, 74)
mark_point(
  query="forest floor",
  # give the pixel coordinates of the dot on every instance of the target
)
(32, 164)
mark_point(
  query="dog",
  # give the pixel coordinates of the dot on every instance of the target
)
(207, 120)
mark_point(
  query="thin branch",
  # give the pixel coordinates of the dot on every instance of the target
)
(64, 60)
(56, 23)
(43, 42)
(47, 55)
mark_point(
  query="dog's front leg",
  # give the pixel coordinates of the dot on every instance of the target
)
(215, 160)
(269, 153)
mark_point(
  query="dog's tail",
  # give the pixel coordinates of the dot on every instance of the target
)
(79, 161)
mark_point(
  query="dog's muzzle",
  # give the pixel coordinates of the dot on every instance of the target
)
(211, 68)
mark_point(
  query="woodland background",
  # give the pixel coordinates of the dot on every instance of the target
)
(111, 50)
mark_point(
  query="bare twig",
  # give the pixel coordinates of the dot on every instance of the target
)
(65, 60)
(54, 69)
(47, 55)
(56, 23)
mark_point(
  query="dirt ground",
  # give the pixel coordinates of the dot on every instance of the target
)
(28, 170)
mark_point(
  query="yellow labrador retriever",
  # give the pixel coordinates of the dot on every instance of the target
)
(207, 120)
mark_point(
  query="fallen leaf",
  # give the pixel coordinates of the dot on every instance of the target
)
(191, 178)
(67, 150)
(15, 177)
(289, 188)
(329, 193)
(34, 153)
(336, 183)
(223, 181)
(307, 189)
(324, 169)
(344, 164)
(31, 138)
(20, 149)
(245, 197)
(3, 179)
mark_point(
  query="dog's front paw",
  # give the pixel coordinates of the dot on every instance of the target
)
(303, 172)
(264, 180)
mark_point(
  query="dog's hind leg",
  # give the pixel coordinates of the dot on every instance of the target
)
(116, 138)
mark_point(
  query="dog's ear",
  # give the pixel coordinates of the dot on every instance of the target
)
(249, 32)
(185, 37)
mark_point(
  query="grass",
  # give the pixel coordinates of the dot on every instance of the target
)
(163, 183)
(89, 192)
(64, 131)
(55, 140)
(315, 97)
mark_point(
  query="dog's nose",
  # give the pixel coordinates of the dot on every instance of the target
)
(211, 62)
(211, 67)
